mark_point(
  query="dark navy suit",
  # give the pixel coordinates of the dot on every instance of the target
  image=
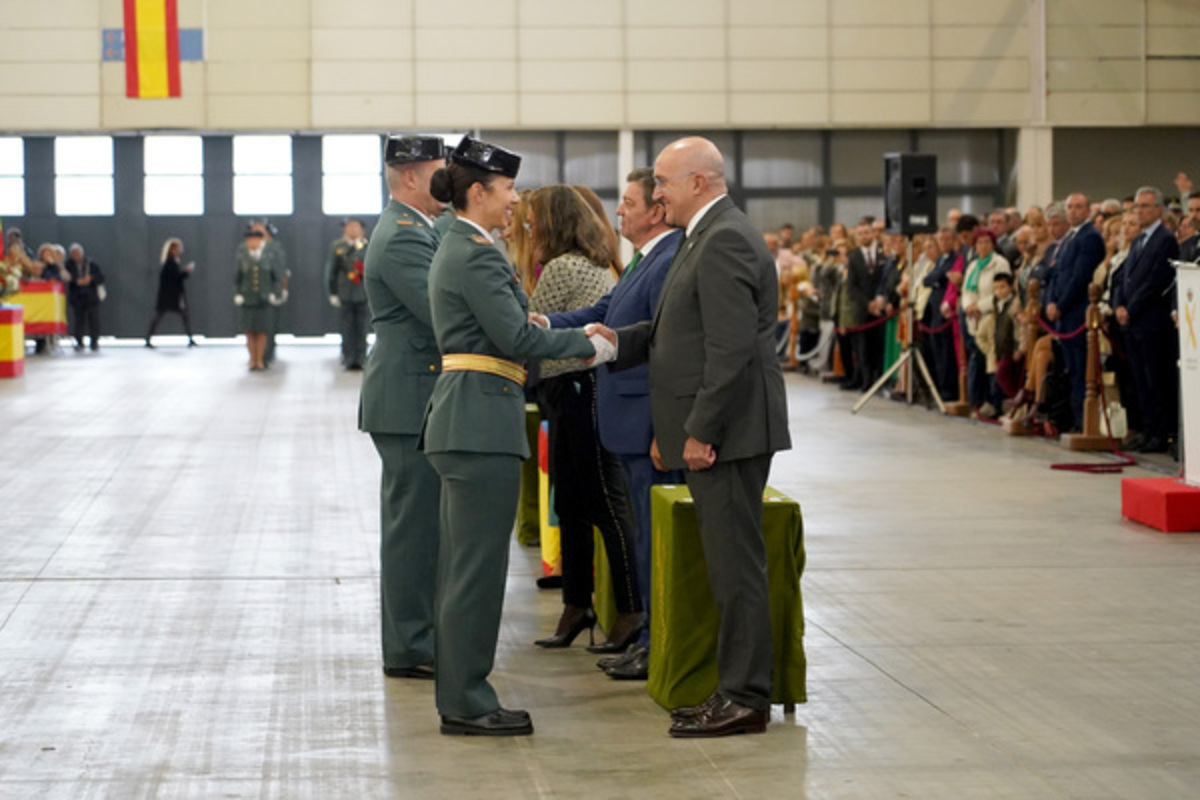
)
(1144, 288)
(1076, 261)
(623, 398)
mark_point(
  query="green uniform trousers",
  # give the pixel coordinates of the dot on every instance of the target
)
(479, 505)
(408, 550)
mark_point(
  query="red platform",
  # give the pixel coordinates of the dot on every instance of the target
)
(1168, 504)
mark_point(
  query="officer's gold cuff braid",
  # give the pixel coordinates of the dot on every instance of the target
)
(473, 362)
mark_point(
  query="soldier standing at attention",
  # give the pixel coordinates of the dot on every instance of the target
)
(344, 277)
(474, 432)
(276, 257)
(395, 390)
(254, 287)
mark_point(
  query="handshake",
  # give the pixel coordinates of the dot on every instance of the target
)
(603, 339)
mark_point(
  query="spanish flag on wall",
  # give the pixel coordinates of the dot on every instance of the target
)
(151, 48)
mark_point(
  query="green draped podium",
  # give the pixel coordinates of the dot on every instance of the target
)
(683, 622)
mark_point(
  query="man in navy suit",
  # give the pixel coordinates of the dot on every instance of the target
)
(1080, 252)
(623, 398)
(1143, 299)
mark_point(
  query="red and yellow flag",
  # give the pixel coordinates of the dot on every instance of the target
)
(151, 48)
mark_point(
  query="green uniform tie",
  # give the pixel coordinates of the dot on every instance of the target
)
(637, 257)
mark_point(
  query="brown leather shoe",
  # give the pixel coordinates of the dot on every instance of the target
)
(724, 718)
(691, 712)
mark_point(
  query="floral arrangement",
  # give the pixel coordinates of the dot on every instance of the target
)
(10, 278)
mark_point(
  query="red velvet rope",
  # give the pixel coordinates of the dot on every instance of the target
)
(868, 325)
(1061, 336)
(921, 326)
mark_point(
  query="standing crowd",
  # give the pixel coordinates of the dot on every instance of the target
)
(999, 306)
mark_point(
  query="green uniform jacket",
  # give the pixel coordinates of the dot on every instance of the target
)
(479, 307)
(343, 261)
(404, 365)
(257, 280)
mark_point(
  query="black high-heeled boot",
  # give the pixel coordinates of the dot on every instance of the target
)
(572, 622)
(624, 633)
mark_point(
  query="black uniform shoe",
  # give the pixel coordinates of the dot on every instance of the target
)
(422, 672)
(636, 669)
(500, 722)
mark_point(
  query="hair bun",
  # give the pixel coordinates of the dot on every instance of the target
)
(441, 185)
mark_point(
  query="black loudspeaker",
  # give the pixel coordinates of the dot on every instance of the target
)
(910, 193)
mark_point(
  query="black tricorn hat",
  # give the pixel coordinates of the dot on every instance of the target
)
(252, 231)
(412, 149)
(487, 157)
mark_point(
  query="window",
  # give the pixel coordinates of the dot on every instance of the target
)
(352, 179)
(262, 175)
(83, 182)
(12, 176)
(174, 175)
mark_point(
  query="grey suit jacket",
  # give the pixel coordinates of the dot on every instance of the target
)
(714, 374)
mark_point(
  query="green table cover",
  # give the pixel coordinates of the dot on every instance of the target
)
(683, 622)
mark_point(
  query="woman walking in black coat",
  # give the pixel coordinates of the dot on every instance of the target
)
(171, 295)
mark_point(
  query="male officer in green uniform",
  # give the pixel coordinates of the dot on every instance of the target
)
(399, 378)
(344, 277)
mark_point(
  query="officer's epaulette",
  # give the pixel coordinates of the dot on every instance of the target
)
(478, 239)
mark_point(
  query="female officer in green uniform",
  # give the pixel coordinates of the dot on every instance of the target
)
(474, 432)
(255, 292)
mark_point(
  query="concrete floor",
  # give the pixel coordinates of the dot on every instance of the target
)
(188, 609)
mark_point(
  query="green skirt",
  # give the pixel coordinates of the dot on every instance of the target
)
(256, 319)
(891, 343)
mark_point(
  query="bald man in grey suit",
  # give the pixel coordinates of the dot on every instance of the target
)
(720, 410)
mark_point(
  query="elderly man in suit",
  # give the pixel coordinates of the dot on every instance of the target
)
(1143, 301)
(1066, 300)
(719, 409)
(396, 386)
(623, 398)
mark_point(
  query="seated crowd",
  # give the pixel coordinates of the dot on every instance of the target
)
(999, 307)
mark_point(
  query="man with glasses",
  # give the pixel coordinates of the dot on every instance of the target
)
(720, 412)
(1143, 301)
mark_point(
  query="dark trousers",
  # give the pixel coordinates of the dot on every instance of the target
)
(355, 319)
(846, 349)
(1123, 372)
(158, 315)
(589, 490)
(943, 362)
(977, 377)
(640, 478)
(1153, 354)
(409, 495)
(1074, 353)
(860, 345)
(478, 507)
(876, 340)
(86, 322)
(728, 498)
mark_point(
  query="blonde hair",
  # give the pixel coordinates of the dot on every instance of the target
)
(166, 248)
(520, 244)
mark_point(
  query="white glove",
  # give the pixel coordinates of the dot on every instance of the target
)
(283, 296)
(605, 350)
(539, 319)
(238, 299)
(335, 301)
(273, 299)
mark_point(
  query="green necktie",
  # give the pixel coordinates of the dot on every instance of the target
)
(637, 257)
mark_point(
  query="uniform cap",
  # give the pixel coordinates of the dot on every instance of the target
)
(487, 157)
(412, 149)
